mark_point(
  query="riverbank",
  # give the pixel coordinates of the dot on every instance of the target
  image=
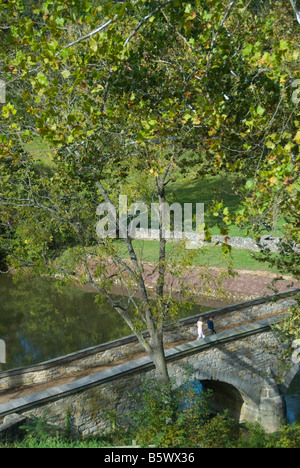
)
(215, 284)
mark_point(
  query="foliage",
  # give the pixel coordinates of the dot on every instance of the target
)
(288, 332)
(255, 437)
(219, 432)
(251, 437)
(274, 192)
(167, 418)
(51, 442)
(128, 95)
(288, 437)
(177, 418)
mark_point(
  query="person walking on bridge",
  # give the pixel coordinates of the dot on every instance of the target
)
(210, 325)
(200, 329)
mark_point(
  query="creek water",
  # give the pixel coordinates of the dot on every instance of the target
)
(39, 323)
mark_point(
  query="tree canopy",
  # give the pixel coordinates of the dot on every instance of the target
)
(126, 94)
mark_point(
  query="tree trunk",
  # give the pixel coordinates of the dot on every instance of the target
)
(296, 8)
(154, 347)
(162, 241)
(157, 355)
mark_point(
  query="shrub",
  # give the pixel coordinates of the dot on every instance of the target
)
(219, 432)
(287, 437)
(179, 418)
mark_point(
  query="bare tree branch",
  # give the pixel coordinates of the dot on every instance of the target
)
(92, 33)
(144, 20)
(296, 9)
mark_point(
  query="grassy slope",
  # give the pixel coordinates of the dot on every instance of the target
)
(205, 191)
(189, 191)
(211, 256)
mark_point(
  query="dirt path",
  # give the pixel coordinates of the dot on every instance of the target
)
(258, 283)
(245, 285)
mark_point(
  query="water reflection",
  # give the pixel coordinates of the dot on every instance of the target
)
(37, 323)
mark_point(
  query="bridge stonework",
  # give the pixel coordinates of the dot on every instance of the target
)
(239, 364)
(242, 375)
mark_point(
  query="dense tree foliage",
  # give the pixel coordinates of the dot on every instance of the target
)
(185, 422)
(127, 94)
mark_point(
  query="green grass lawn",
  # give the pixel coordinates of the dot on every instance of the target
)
(205, 190)
(211, 256)
(41, 152)
(186, 190)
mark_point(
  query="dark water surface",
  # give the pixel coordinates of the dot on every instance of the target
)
(39, 323)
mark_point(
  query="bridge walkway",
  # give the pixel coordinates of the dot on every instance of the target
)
(10, 404)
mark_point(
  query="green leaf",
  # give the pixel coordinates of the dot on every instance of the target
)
(42, 79)
(59, 21)
(247, 50)
(250, 184)
(260, 110)
(284, 45)
(65, 73)
(93, 45)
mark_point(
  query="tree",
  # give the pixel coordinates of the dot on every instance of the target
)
(288, 333)
(271, 195)
(296, 9)
(124, 88)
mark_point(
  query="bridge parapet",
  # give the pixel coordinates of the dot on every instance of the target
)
(108, 354)
(238, 360)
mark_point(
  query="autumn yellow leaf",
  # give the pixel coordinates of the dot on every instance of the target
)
(273, 180)
(297, 137)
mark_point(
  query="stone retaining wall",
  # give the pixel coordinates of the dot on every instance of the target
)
(196, 240)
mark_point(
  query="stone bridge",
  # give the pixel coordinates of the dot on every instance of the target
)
(240, 365)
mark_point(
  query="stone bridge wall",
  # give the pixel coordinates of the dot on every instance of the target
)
(240, 362)
(111, 353)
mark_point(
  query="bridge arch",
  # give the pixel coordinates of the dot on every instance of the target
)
(225, 397)
(244, 401)
(231, 393)
(289, 377)
(242, 360)
(246, 371)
